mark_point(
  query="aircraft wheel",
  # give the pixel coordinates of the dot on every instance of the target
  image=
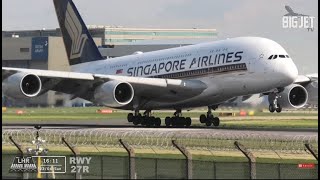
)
(168, 121)
(216, 121)
(182, 121)
(208, 122)
(151, 121)
(174, 121)
(143, 120)
(203, 118)
(271, 108)
(135, 120)
(147, 122)
(157, 122)
(279, 108)
(188, 121)
(129, 117)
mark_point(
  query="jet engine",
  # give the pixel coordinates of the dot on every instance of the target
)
(114, 93)
(21, 85)
(312, 89)
(294, 95)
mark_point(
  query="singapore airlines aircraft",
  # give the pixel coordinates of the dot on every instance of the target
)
(179, 78)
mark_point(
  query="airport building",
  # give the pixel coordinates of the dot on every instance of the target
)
(122, 36)
(44, 49)
(118, 35)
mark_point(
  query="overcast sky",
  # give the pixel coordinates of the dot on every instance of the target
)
(231, 18)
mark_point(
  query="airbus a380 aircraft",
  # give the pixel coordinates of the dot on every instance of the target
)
(179, 78)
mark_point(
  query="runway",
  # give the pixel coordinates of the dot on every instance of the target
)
(193, 130)
(121, 125)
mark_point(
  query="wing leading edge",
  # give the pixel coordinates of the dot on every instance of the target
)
(83, 84)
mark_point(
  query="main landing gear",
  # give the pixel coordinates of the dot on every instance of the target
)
(209, 119)
(274, 105)
(178, 120)
(145, 120)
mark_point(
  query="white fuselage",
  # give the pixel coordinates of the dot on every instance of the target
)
(232, 67)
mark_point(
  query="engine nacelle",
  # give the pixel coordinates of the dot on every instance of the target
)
(114, 93)
(21, 85)
(294, 95)
(312, 89)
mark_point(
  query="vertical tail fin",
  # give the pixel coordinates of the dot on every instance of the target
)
(78, 42)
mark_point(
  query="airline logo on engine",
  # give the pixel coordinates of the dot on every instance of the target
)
(176, 65)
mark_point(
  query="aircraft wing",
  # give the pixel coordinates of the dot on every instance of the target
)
(83, 84)
(305, 79)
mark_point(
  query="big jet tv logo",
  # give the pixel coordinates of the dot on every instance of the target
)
(297, 21)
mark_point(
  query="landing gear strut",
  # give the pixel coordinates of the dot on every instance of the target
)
(146, 119)
(274, 105)
(209, 119)
(178, 120)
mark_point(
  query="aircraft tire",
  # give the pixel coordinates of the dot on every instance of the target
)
(135, 120)
(208, 122)
(143, 120)
(279, 108)
(157, 122)
(271, 108)
(151, 121)
(174, 121)
(182, 121)
(203, 118)
(216, 121)
(168, 121)
(130, 117)
(188, 121)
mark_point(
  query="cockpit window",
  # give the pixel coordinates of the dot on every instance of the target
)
(275, 56)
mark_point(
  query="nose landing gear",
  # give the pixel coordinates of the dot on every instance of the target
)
(274, 105)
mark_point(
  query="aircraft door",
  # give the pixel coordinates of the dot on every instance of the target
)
(256, 67)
